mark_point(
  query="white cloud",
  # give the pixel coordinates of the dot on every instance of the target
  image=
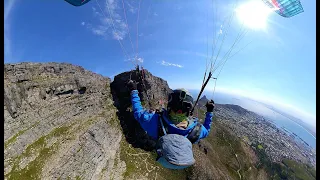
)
(98, 32)
(131, 8)
(140, 60)
(135, 59)
(107, 13)
(117, 35)
(112, 4)
(164, 63)
(95, 12)
(83, 23)
(7, 39)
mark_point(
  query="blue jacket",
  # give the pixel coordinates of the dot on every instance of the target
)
(149, 121)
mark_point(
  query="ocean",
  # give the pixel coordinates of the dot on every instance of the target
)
(279, 120)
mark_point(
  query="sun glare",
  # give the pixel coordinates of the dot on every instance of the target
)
(253, 14)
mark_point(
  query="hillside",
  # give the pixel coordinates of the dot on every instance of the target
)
(62, 121)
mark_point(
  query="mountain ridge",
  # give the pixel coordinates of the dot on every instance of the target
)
(62, 121)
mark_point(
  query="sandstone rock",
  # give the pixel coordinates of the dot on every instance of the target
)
(59, 122)
(62, 121)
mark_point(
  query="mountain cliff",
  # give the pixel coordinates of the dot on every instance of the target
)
(64, 122)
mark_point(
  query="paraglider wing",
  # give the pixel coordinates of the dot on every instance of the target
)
(77, 2)
(285, 8)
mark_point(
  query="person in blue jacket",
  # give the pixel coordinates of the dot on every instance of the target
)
(175, 121)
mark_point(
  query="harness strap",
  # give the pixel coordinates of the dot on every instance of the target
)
(162, 126)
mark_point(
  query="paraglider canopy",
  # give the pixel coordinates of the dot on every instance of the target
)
(77, 2)
(285, 8)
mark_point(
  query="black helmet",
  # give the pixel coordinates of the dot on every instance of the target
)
(180, 99)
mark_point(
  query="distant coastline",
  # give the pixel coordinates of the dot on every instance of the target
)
(247, 103)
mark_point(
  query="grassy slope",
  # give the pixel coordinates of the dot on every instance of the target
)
(225, 147)
(231, 156)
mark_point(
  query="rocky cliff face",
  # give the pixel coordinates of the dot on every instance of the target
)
(62, 121)
(153, 90)
(59, 122)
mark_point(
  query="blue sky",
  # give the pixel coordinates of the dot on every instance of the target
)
(277, 66)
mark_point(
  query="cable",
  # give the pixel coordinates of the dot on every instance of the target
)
(125, 16)
(229, 23)
(137, 52)
(238, 38)
(114, 29)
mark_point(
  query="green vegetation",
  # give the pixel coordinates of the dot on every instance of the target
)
(34, 168)
(228, 155)
(224, 146)
(201, 113)
(288, 169)
(142, 163)
(245, 138)
(39, 151)
(273, 169)
(14, 137)
(298, 170)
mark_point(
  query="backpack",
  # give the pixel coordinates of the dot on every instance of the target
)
(174, 150)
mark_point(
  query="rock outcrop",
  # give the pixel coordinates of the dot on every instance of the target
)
(62, 121)
(59, 122)
(153, 90)
(202, 101)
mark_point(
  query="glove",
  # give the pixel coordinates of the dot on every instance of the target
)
(132, 85)
(210, 106)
